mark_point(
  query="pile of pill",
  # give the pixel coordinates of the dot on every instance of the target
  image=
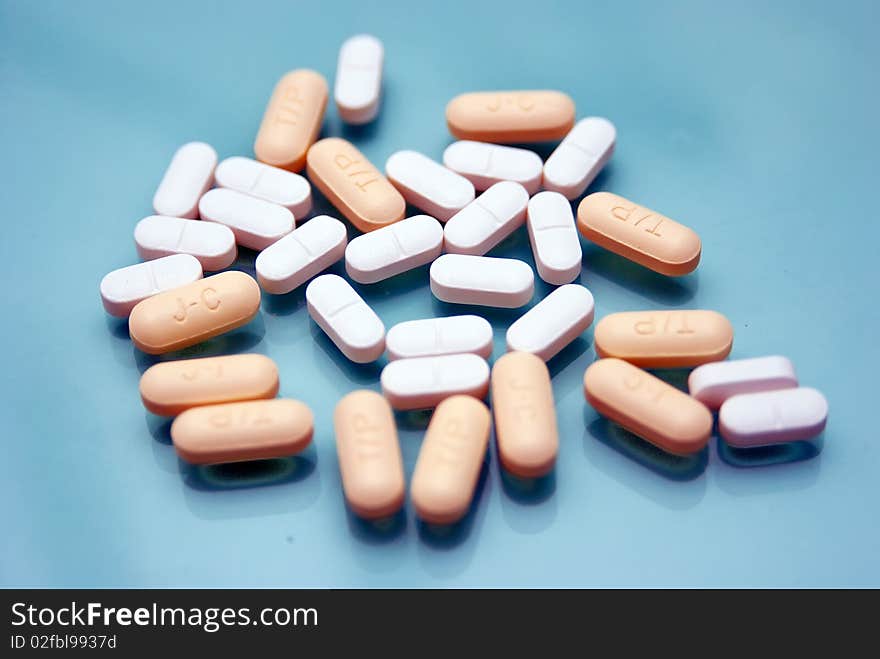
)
(226, 407)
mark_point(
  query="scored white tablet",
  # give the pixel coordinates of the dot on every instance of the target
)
(423, 382)
(482, 280)
(344, 316)
(212, 244)
(485, 164)
(266, 182)
(358, 87)
(189, 175)
(487, 220)
(255, 222)
(123, 288)
(428, 185)
(428, 337)
(554, 238)
(580, 157)
(553, 323)
(394, 249)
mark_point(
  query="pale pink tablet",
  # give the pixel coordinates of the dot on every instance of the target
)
(122, 289)
(772, 417)
(212, 244)
(428, 185)
(715, 382)
(422, 382)
(394, 249)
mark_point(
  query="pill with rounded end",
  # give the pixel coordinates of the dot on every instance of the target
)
(773, 417)
(713, 383)
(358, 87)
(450, 459)
(553, 323)
(394, 249)
(485, 164)
(422, 382)
(236, 432)
(169, 388)
(190, 314)
(665, 338)
(266, 182)
(639, 234)
(487, 220)
(189, 175)
(344, 316)
(122, 289)
(554, 239)
(300, 255)
(353, 185)
(212, 244)
(482, 280)
(429, 337)
(525, 418)
(579, 158)
(510, 116)
(292, 120)
(256, 223)
(370, 462)
(647, 406)
(428, 185)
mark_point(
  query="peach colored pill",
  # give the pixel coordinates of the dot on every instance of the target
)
(510, 116)
(292, 120)
(169, 388)
(193, 313)
(450, 458)
(639, 234)
(525, 419)
(353, 185)
(369, 454)
(235, 432)
(665, 339)
(647, 406)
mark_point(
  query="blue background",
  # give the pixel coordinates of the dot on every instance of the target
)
(753, 122)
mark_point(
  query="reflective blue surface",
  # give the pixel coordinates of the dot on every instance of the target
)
(755, 123)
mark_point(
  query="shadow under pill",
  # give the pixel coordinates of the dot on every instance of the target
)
(159, 427)
(249, 474)
(377, 531)
(569, 354)
(774, 454)
(657, 288)
(414, 420)
(495, 315)
(286, 304)
(118, 327)
(449, 536)
(357, 374)
(405, 282)
(528, 491)
(677, 377)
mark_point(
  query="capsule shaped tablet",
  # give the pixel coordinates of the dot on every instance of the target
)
(553, 323)
(713, 383)
(487, 220)
(428, 185)
(639, 234)
(485, 164)
(665, 338)
(169, 388)
(450, 459)
(235, 432)
(344, 316)
(429, 337)
(359, 79)
(393, 249)
(189, 175)
(122, 289)
(292, 120)
(422, 382)
(482, 280)
(369, 455)
(510, 116)
(525, 418)
(256, 223)
(772, 417)
(212, 244)
(194, 313)
(554, 239)
(301, 254)
(265, 182)
(353, 185)
(647, 406)
(580, 157)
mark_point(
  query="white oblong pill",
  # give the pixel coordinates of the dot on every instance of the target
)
(212, 244)
(772, 417)
(358, 87)
(123, 288)
(553, 323)
(423, 382)
(394, 249)
(189, 175)
(487, 220)
(715, 382)
(256, 223)
(554, 238)
(344, 316)
(429, 337)
(580, 157)
(485, 164)
(265, 182)
(300, 255)
(482, 280)
(428, 185)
